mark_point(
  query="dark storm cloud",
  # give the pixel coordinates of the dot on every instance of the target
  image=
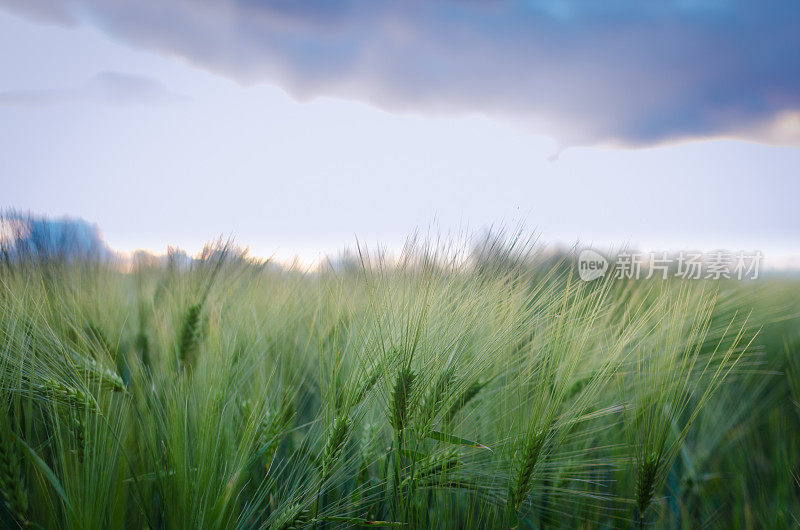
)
(617, 71)
(113, 88)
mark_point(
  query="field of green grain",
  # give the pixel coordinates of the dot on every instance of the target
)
(435, 390)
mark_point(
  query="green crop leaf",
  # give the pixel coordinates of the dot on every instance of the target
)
(455, 440)
(48, 474)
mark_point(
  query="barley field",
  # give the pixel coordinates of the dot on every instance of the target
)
(437, 389)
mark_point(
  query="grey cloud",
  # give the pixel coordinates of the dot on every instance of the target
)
(47, 10)
(586, 72)
(113, 88)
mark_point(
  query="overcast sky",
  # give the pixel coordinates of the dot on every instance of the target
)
(297, 126)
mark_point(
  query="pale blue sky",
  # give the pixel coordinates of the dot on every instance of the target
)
(159, 148)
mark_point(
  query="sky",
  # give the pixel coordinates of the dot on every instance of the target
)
(298, 127)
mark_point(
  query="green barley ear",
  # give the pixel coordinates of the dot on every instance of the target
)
(434, 397)
(143, 348)
(646, 479)
(334, 444)
(438, 466)
(466, 396)
(524, 468)
(65, 394)
(79, 431)
(12, 485)
(189, 335)
(293, 517)
(108, 379)
(372, 378)
(142, 341)
(274, 427)
(403, 384)
(287, 411)
(370, 442)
